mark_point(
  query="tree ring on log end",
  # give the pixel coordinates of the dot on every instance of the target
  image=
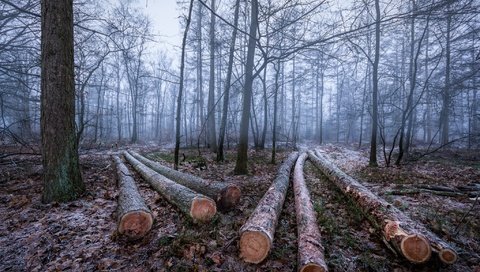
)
(254, 246)
(203, 209)
(416, 248)
(448, 256)
(312, 267)
(135, 224)
(230, 197)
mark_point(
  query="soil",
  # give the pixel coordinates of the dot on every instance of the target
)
(81, 235)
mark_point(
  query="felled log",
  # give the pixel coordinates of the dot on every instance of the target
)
(310, 249)
(414, 191)
(199, 207)
(408, 237)
(256, 235)
(134, 218)
(225, 195)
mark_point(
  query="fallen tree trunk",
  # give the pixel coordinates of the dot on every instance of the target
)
(134, 218)
(256, 235)
(414, 191)
(310, 249)
(199, 207)
(226, 195)
(408, 237)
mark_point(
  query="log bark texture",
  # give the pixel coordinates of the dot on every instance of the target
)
(199, 207)
(256, 235)
(413, 240)
(134, 218)
(310, 249)
(225, 195)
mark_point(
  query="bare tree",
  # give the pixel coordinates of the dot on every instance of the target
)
(62, 177)
(241, 166)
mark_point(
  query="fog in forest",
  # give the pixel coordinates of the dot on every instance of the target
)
(320, 72)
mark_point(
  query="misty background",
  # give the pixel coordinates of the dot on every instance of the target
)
(313, 65)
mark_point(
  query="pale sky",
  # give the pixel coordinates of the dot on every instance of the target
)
(165, 22)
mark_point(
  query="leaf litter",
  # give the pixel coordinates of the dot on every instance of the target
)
(81, 235)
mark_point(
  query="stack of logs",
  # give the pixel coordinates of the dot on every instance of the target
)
(199, 199)
(410, 239)
(194, 196)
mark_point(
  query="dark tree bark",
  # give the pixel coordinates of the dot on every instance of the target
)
(373, 140)
(180, 89)
(256, 235)
(241, 166)
(61, 170)
(211, 131)
(275, 112)
(228, 80)
(444, 114)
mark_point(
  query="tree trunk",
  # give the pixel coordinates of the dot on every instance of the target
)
(241, 166)
(226, 95)
(199, 207)
(310, 249)
(180, 90)
(373, 140)
(275, 112)
(256, 235)
(134, 218)
(408, 237)
(226, 195)
(61, 170)
(444, 115)
(211, 131)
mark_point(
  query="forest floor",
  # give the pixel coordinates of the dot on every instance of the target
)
(81, 235)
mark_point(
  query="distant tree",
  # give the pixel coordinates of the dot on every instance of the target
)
(373, 141)
(178, 120)
(62, 177)
(241, 166)
(226, 94)
(211, 129)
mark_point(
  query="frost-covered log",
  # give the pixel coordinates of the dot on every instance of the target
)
(134, 218)
(199, 207)
(310, 249)
(225, 194)
(408, 237)
(256, 235)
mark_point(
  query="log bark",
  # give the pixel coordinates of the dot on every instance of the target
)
(134, 218)
(310, 249)
(225, 195)
(414, 191)
(411, 239)
(199, 207)
(256, 235)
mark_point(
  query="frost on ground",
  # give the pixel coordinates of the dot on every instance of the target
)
(81, 235)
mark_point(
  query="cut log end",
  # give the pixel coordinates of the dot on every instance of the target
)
(416, 248)
(312, 267)
(135, 224)
(448, 256)
(230, 197)
(254, 246)
(203, 209)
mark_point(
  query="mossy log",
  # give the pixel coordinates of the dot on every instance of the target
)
(310, 249)
(256, 235)
(226, 195)
(409, 238)
(199, 207)
(134, 218)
